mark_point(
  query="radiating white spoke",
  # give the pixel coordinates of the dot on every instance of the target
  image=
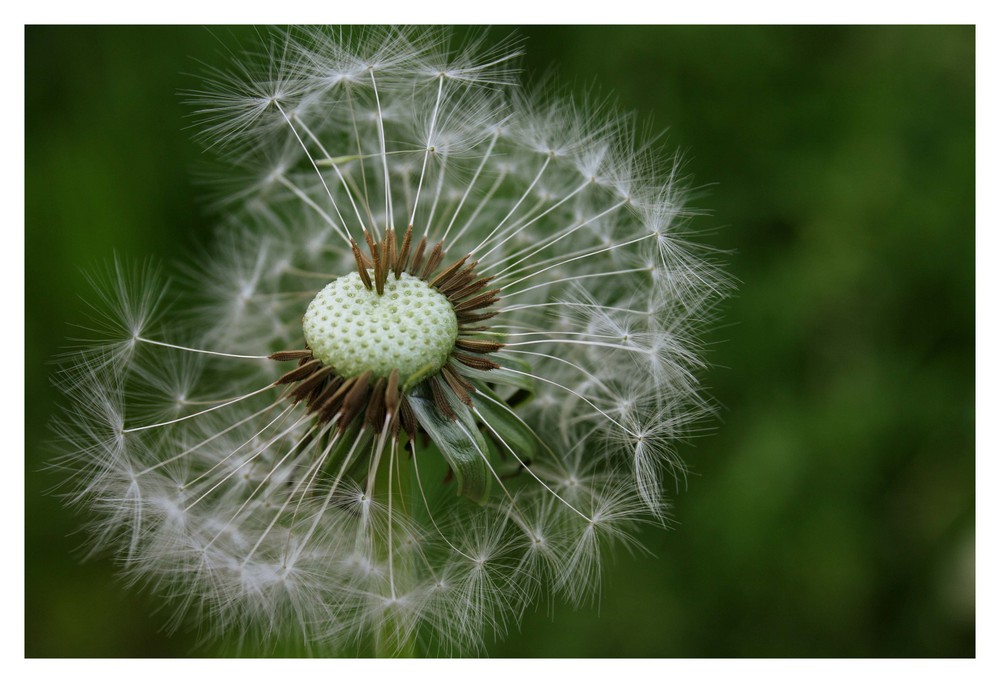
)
(304, 485)
(548, 283)
(574, 393)
(319, 173)
(538, 176)
(336, 169)
(193, 415)
(246, 462)
(564, 261)
(442, 172)
(516, 229)
(266, 478)
(430, 515)
(563, 234)
(348, 459)
(482, 203)
(576, 304)
(465, 195)
(427, 153)
(193, 350)
(583, 371)
(505, 407)
(308, 201)
(213, 437)
(385, 161)
(392, 462)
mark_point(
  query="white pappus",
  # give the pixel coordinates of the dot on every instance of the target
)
(432, 369)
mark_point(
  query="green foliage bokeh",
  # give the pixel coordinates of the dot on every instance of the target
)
(830, 511)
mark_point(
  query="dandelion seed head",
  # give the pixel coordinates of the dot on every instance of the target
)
(432, 367)
(410, 328)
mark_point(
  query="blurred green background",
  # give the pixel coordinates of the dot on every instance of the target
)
(831, 510)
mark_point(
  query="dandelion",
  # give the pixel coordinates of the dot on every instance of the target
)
(431, 371)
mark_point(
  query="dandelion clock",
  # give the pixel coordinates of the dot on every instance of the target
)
(429, 375)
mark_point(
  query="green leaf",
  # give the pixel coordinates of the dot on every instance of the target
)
(461, 444)
(506, 424)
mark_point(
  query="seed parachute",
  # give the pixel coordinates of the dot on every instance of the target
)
(432, 369)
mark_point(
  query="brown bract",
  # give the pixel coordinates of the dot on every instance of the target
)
(381, 401)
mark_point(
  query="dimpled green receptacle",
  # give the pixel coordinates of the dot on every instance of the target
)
(411, 327)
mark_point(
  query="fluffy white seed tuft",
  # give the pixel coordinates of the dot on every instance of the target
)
(244, 505)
